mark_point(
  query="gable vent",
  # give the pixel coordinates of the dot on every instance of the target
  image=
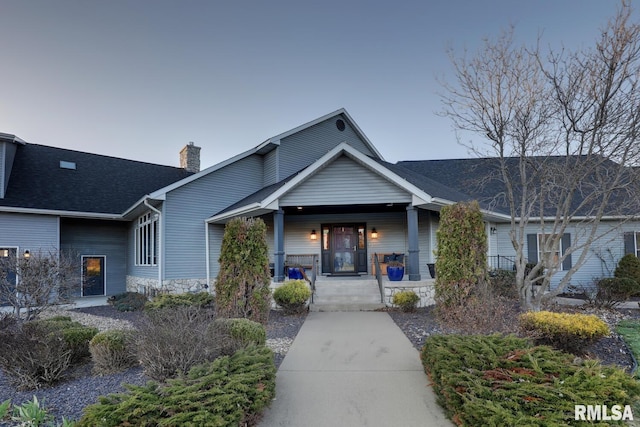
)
(67, 165)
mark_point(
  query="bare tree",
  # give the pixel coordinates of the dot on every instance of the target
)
(563, 127)
(31, 284)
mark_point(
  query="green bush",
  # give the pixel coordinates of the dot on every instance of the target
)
(75, 334)
(629, 267)
(242, 283)
(230, 391)
(406, 300)
(111, 351)
(292, 296)
(503, 381)
(564, 331)
(612, 291)
(234, 334)
(462, 254)
(199, 300)
(128, 301)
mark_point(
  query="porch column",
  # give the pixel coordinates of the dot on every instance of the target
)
(414, 248)
(278, 240)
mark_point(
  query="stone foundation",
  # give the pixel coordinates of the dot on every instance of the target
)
(426, 292)
(149, 287)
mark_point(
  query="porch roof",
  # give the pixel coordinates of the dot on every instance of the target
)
(425, 192)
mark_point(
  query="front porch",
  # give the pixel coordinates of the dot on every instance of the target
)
(363, 293)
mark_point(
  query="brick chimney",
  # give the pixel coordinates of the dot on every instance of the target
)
(190, 158)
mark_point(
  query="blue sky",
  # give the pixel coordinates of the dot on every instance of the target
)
(139, 79)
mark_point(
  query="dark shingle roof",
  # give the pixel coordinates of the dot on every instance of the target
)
(99, 184)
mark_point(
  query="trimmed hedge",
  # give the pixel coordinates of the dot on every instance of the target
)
(292, 296)
(75, 334)
(111, 351)
(504, 381)
(229, 391)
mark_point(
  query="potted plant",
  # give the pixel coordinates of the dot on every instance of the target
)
(395, 271)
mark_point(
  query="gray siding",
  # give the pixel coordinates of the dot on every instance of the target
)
(305, 147)
(107, 238)
(345, 182)
(32, 232)
(3, 178)
(270, 168)
(187, 207)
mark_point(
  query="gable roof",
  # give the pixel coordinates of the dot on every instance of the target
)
(98, 186)
(425, 192)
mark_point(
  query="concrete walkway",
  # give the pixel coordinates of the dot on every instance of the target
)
(352, 369)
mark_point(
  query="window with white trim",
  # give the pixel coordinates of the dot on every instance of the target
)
(550, 256)
(146, 241)
(632, 243)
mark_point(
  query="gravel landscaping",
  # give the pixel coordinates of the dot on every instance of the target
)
(81, 388)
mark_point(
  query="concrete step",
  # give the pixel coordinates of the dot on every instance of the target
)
(346, 295)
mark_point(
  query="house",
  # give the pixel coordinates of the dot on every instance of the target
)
(322, 188)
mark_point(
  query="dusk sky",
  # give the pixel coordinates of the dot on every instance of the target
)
(139, 79)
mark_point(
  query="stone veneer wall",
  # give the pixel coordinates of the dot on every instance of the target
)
(150, 288)
(426, 292)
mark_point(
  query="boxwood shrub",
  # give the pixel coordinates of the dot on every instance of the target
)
(112, 351)
(128, 301)
(292, 296)
(230, 391)
(76, 335)
(504, 381)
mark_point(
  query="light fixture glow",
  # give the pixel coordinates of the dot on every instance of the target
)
(313, 235)
(374, 233)
(27, 254)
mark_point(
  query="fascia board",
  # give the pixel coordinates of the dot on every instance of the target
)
(68, 214)
(234, 213)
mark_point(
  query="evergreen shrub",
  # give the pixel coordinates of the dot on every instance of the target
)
(406, 300)
(111, 351)
(76, 336)
(501, 380)
(564, 331)
(199, 300)
(230, 391)
(242, 284)
(234, 334)
(292, 296)
(628, 266)
(128, 301)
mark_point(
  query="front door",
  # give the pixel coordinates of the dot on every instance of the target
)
(93, 275)
(344, 249)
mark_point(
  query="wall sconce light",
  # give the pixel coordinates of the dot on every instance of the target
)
(4, 253)
(493, 230)
(374, 233)
(27, 254)
(313, 235)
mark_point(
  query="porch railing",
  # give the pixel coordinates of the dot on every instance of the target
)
(501, 262)
(307, 261)
(379, 277)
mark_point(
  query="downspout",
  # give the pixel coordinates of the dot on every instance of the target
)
(146, 203)
(206, 251)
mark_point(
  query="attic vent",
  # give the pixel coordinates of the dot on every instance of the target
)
(340, 124)
(67, 165)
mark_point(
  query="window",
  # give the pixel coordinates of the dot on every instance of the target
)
(632, 243)
(536, 250)
(549, 256)
(147, 240)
